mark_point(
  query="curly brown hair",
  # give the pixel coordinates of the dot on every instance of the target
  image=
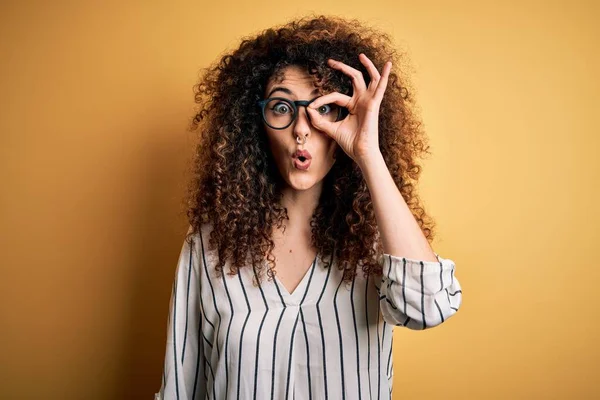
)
(235, 182)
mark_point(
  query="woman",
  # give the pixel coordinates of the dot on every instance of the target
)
(306, 170)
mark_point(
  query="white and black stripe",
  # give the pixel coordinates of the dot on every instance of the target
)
(322, 341)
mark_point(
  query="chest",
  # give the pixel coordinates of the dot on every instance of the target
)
(292, 264)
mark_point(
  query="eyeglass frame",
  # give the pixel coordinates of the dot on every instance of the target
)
(294, 104)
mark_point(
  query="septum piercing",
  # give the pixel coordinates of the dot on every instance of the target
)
(298, 140)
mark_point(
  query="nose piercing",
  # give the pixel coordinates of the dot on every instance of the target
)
(298, 140)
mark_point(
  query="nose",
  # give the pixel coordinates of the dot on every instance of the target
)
(302, 125)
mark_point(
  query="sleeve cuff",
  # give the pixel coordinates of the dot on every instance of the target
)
(409, 272)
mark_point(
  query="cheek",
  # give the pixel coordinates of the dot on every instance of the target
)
(276, 145)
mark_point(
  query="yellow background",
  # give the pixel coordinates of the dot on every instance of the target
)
(95, 101)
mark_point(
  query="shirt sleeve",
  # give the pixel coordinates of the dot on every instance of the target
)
(184, 370)
(418, 294)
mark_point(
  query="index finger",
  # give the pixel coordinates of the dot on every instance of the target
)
(358, 81)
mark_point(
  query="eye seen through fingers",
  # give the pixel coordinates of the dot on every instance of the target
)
(326, 109)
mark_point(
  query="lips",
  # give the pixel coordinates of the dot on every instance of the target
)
(302, 159)
(302, 155)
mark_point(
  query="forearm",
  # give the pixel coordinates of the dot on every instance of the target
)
(400, 232)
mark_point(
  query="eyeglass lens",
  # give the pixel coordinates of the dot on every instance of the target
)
(279, 113)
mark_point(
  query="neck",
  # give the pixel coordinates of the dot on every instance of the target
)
(300, 205)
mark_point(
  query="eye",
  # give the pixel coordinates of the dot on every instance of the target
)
(324, 109)
(281, 108)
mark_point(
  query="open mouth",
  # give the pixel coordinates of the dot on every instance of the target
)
(302, 159)
(302, 163)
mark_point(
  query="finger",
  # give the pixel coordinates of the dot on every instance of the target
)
(330, 128)
(334, 97)
(358, 81)
(373, 72)
(387, 68)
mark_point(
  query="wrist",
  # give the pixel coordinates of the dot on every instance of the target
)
(371, 161)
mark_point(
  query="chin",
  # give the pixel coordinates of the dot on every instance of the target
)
(303, 179)
(301, 183)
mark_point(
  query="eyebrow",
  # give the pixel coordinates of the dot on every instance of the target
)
(286, 90)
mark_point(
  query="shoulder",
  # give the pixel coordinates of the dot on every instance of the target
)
(199, 235)
(197, 242)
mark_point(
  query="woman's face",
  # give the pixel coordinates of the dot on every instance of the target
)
(297, 174)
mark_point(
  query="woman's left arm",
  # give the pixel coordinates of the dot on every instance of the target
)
(418, 288)
(400, 233)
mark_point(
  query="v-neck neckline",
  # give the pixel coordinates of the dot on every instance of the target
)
(296, 293)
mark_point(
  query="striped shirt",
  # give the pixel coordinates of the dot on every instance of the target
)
(230, 339)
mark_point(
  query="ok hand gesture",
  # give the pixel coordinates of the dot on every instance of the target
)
(358, 133)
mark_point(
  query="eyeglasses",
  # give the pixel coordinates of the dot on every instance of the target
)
(279, 112)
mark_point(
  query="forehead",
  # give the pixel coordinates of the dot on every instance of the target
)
(292, 77)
